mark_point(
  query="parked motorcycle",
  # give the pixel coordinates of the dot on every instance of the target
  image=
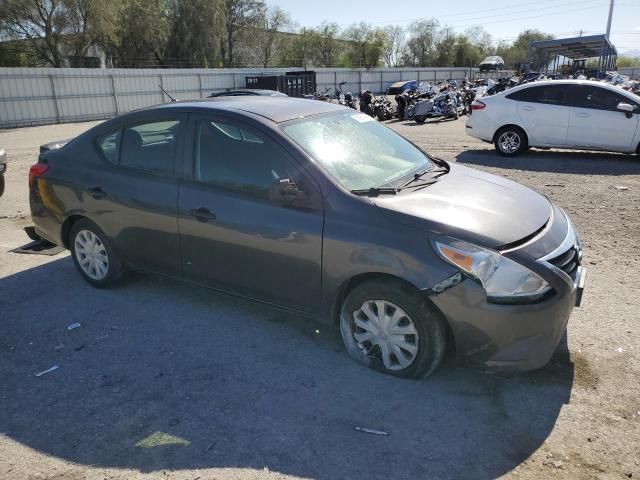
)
(347, 98)
(446, 103)
(405, 101)
(366, 103)
(382, 108)
(322, 96)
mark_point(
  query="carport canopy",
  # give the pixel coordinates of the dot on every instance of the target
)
(576, 48)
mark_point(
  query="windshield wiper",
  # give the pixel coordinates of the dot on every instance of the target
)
(375, 191)
(417, 176)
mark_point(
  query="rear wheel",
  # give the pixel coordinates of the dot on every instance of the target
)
(390, 328)
(510, 141)
(93, 255)
(420, 118)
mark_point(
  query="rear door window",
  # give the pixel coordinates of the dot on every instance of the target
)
(150, 146)
(547, 94)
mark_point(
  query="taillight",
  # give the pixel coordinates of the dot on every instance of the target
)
(477, 105)
(36, 171)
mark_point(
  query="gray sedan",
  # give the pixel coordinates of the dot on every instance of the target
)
(318, 209)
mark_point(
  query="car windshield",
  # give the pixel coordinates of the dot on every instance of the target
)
(357, 151)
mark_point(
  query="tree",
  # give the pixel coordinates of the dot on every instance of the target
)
(446, 41)
(269, 34)
(196, 27)
(141, 35)
(517, 52)
(89, 23)
(393, 46)
(421, 47)
(325, 44)
(367, 44)
(239, 14)
(41, 23)
(627, 61)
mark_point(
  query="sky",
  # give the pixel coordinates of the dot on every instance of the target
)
(503, 19)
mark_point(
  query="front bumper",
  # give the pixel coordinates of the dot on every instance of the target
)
(517, 337)
(504, 337)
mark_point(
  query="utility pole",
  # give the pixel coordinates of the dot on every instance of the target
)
(609, 19)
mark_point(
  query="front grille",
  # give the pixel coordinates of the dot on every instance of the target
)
(568, 262)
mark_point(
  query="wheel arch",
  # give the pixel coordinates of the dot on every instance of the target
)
(348, 285)
(67, 225)
(512, 125)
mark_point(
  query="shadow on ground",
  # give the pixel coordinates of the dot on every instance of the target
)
(572, 162)
(165, 376)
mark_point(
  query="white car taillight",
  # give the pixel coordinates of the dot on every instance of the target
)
(477, 105)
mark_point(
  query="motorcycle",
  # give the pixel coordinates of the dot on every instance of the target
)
(366, 103)
(346, 98)
(323, 97)
(405, 101)
(446, 103)
(382, 108)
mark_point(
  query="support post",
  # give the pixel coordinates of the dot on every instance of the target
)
(200, 85)
(55, 98)
(115, 95)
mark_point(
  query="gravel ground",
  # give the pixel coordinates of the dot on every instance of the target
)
(164, 380)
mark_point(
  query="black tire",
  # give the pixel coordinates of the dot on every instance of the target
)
(420, 118)
(1, 185)
(426, 320)
(114, 270)
(519, 142)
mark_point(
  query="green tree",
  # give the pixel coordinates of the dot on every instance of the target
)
(196, 28)
(141, 35)
(627, 61)
(239, 14)
(393, 46)
(421, 46)
(42, 24)
(367, 44)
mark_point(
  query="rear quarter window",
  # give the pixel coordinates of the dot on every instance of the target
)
(108, 145)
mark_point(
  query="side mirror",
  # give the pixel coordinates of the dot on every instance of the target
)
(286, 191)
(627, 108)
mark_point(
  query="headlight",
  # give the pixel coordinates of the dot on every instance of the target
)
(504, 280)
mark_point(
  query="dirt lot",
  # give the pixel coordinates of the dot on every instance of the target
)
(164, 380)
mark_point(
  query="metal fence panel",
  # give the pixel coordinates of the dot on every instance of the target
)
(37, 96)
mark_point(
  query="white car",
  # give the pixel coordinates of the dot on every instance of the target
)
(578, 114)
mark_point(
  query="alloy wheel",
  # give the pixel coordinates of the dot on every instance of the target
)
(509, 142)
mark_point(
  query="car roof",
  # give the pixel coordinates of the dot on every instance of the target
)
(248, 91)
(567, 81)
(276, 109)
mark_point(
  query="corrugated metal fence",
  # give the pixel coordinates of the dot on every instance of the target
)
(39, 96)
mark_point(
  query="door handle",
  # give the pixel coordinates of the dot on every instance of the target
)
(583, 115)
(202, 214)
(528, 109)
(97, 192)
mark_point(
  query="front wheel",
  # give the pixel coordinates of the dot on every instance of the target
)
(389, 328)
(510, 141)
(420, 118)
(93, 255)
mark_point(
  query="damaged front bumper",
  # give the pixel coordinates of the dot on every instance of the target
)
(504, 337)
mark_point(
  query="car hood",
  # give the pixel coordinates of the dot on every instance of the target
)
(471, 205)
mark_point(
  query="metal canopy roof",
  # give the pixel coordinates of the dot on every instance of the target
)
(576, 48)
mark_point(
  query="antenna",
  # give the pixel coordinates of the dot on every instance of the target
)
(166, 93)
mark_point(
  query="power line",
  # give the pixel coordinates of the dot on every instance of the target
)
(511, 6)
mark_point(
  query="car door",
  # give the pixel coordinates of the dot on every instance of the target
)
(134, 199)
(544, 113)
(596, 122)
(238, 232)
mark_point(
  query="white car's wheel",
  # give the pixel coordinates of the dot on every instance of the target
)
(511, 141)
